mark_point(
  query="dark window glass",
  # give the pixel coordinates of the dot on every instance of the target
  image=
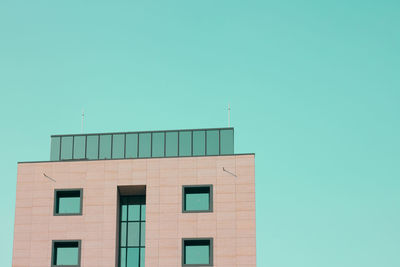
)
(185, 143)
(144, 145)
(197, 251)
(197, 198)
(67, 202)
(123, 234)
(55, 149)
(226, 142)
(143, 218)
(122, 257)
(66, 253)
(212, 142)
(92, 147)
(131, 145)
(142, 256)
(79, 147)
(66, 147)
(105, 147)
(133, 257)
(118, 146)
(158, 145)
(142, 233)
(134, 212)
(199, 143)
(133, 233)
(124, 212)
(171, 144)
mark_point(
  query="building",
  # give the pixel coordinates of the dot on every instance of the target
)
(161, 198)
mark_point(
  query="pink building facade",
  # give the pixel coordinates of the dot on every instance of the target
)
(224, 234)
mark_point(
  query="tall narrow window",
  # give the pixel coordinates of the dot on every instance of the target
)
(105, 146)
(66, 147)
(118, 146)
(199, 143)
(185, 143)
(212, 142)
(171, 144)
(55, 148)
(226, 137)
(79, 147)
(132, 231)
(158, 145)
(131, 146)
(92, 151)
(144, 145)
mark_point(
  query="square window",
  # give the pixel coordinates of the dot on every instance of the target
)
(197, 252)
(197, 198)
(68, 201)
(66, 253)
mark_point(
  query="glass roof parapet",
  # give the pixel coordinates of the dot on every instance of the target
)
(144, 144)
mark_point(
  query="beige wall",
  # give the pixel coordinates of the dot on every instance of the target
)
(232, 224)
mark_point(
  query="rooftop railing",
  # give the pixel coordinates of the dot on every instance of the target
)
(150, 144)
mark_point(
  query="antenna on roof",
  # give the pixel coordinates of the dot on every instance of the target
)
(229, 115)
(83, 117)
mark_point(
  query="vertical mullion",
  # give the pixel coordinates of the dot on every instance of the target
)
(205, 149)
(73, 143)
(137, 152)
(120, 226)
(151, 145)
(59, 153)
(98, 146)
(85, 146)
(219, 142)
(179, 133)
(165, 145)
(127, 229)
(124, 146)
(191, 144)
(137, 149)
(140, 232)
(112, 144)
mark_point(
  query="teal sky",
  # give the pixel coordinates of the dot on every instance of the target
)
(314, 88)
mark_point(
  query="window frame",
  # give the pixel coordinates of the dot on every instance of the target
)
(211, 248)
(68, 190)
(132, 200)
(210, 196)
(53, 242)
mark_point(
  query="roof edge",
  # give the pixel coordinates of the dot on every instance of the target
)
(135, 132)
(88, 160)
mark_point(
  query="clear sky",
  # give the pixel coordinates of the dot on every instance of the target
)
(314, 88)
